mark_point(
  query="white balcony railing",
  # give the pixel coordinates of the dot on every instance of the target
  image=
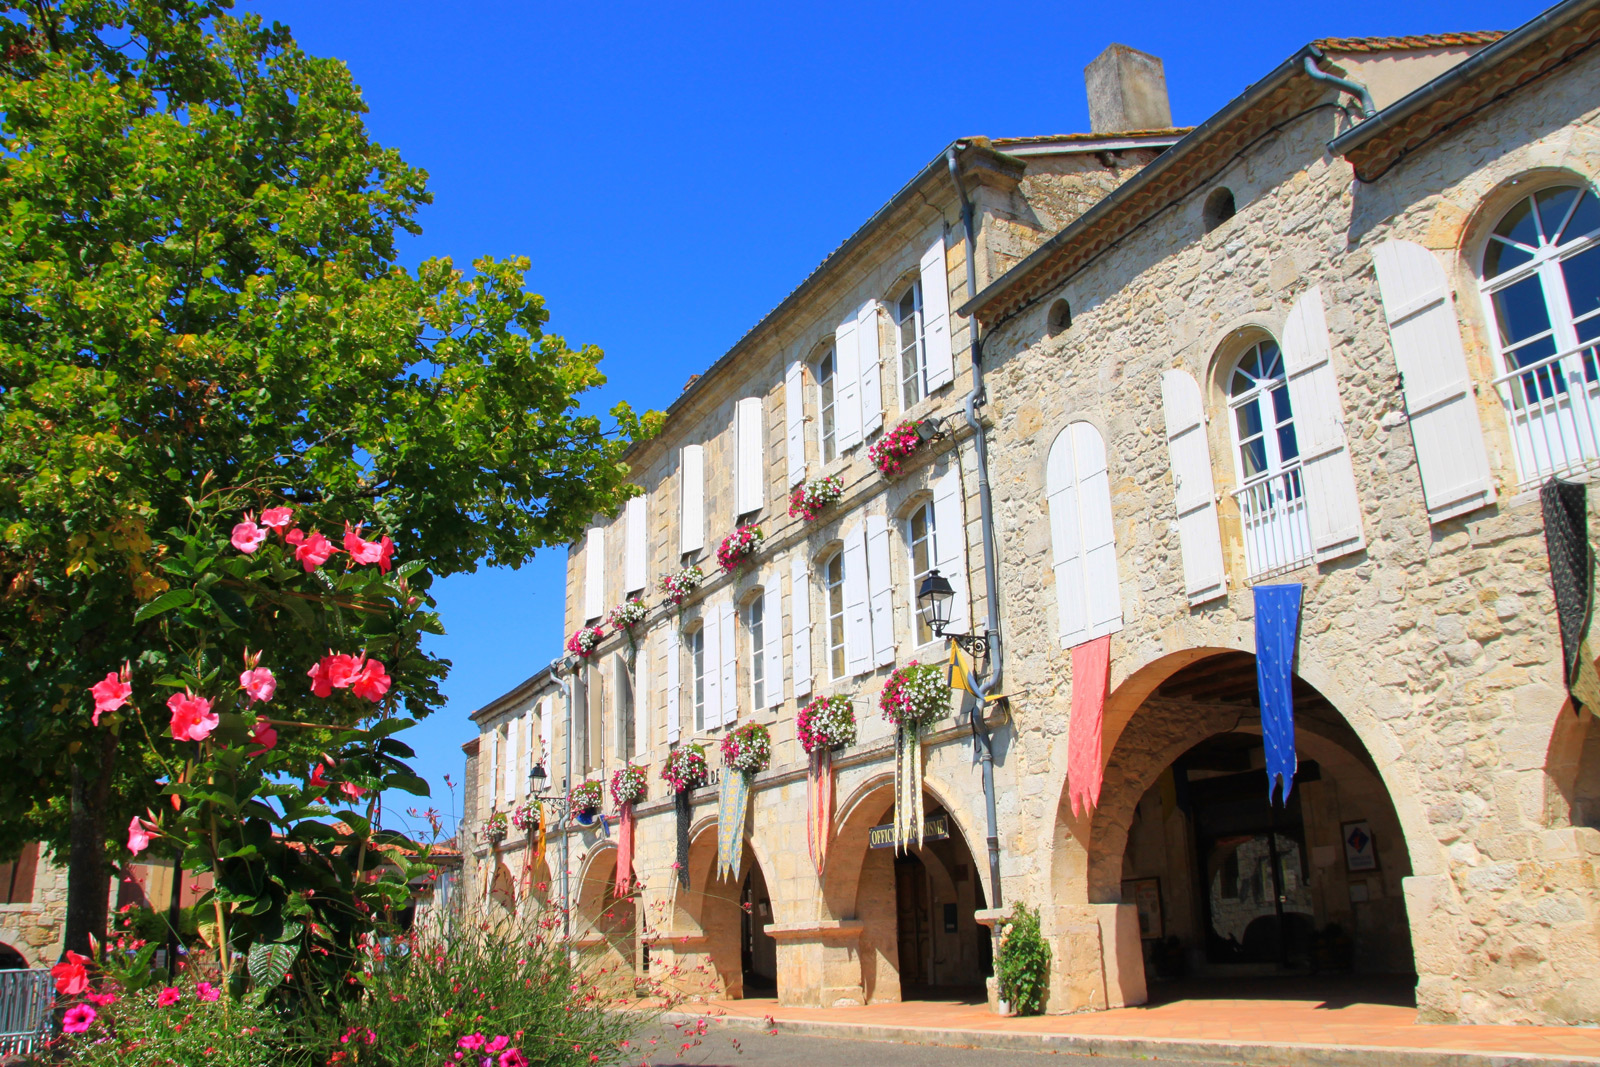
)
(1277, 531)
(1553, 407)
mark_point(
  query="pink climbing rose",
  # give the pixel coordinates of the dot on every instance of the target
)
(277, 518)
(247, 536)
(360, 551)
(111, 692)
(372, 682)
(192, 717)
(333, 671)
(312, 550)
(259, 683)
(138, 835)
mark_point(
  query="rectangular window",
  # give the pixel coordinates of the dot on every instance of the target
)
(908, 333)
(825, 405)
(697, 671)
(833, 588)
(754, 618)
(919, 540)
(625, 724)
(16, 877)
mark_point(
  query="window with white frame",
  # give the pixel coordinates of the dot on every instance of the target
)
(626, 737)
(825, 406)
(908, 335)
(1272, 503)
(695, 645)
(1541, 291)
(920, 550)
(833, 604)
(755, 628)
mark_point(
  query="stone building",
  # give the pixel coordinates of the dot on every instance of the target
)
(1335, 337)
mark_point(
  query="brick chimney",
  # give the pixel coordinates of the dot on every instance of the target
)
(1127, 91)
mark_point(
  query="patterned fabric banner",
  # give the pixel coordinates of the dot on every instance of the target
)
(1566, 540)
(819, 807)
(908, 789)
(624, 851)
(1277, 630)
(681, 863)
(1091, 676)
(732, 803)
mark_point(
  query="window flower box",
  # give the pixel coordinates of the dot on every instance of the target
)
(808, 500)
(585, 640)
(625, 616)
(677, 587)
(685, 768)
(748, 749)
(826, 723)
(915, 696)
(526, 818)
(739, 546)
(494, 828)
(586, 799)
(888, 453)
(627, 785)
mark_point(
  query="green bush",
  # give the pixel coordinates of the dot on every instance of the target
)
(1023, 966)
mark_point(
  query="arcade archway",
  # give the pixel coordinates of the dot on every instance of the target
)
(729, 917)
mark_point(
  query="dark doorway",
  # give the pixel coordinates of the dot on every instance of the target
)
(758, 955)
(944, 953)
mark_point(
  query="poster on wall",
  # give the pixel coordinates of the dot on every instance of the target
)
(1145, 895)
(1360, 847)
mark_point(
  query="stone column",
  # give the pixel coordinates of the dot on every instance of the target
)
(819, 963)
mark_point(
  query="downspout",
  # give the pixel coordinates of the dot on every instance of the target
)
(983, 743)
(1368, 108)
(566, 783)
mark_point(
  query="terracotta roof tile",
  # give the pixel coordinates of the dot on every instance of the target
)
(1410, 43)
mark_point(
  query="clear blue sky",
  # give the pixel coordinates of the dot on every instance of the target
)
(674, 170)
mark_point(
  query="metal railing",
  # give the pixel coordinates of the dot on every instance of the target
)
(1553, 408)
(25, 998)
(1277, 530)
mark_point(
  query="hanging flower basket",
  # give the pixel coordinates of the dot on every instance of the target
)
(808, 500)
(686, 768)
(627, 785)
(888, 453)
(827, 723)
(914, 696)
(526, 818)
(494, 828)
(585, 640)
(678, 586)
(625, 616)
(586, 800)
(739, 546)
(748, 749)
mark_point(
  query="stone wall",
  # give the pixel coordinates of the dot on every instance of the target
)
(37, 929)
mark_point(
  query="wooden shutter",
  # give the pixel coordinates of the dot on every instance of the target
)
(492, 777)
(711, 657)
(936, 316)
(641, 698)
(692, 499)
(594, 573)
(508, 785)
(674, 656)
(1088, 591)
(1332, 503)
(1066, 541)
(867, 341)
(800, 624)
(950, 543)
(729, 661)
(750, 442)
(633, 564)
(772, 638)
(1440, 404)
(857, 613)
(880, 590)
(547, 728)
(847, 385)
(794, 407)
(1199, 537)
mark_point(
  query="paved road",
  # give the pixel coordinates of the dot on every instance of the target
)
(746, 1048)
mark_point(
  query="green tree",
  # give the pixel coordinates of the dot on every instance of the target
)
(199, 285)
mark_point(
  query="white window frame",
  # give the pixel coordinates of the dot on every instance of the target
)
(694, 644)
(755, 632)
(921, 632)
(832, 573)
(1273, 512)
(913, 380)
(827, 404)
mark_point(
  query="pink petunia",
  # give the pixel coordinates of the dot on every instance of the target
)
(259, 684)
(138, 835)
(168, 997)
(71, 975)
(497, 1044)
(264, 735)
(361, 551)
(472, 1042)
(277, 518)
(513, 1058)
(192, 717)
(207, 992)
(372, 682)
(312, 550)
(78, 1019)
(247, 536)
(111, 692)
(105, 1000)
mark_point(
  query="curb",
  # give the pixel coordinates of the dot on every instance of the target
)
(1247, 1053)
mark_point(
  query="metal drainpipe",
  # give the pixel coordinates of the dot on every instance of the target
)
(1368, 108)
(556, 667)
(982, 741)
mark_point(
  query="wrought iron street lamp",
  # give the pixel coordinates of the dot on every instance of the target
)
(933, 604)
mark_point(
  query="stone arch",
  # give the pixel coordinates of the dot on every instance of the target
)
(707, 917)
(855, 817)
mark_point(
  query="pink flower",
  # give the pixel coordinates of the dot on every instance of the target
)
(167, 997)
(333, 672)
(361, 551)
(277, 518)
(71, 975)
(192, 717)
(111, 692)
(497, 1044)
(351, 790)
(207, 992)
(472, 1042)
(247, 536)
(385, 554)
(105, 1000)
(371, 683)
(138, 836)
(312, 550)
(78, 1019)
(513, 1058)
(259, 683)
(264, 735)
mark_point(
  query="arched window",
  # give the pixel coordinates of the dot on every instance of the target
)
(833, 606)
(1541, 288)
(920, 549)
(825, 406)
(908, 335)
(755, 628)
(1219, 207)
(1271, 495)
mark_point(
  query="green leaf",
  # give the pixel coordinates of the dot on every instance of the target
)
(269, 962)
(172, 598)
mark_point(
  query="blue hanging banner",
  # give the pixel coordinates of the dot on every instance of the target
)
(1277, 628)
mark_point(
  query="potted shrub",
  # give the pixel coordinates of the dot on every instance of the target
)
(1022, 966)
(739, 546)
(827, 723)
(808, 500)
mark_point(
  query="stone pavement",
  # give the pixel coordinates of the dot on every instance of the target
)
(1280, 1032)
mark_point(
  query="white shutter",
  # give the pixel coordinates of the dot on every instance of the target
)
(492, 777)
(772, 638)
(513, 758)
(794, 406)
(880, 590)
(936, 317)
(641, 699)
(1066, 541)
(711, 658)
(633, 568)
(1440, 403)
(751, 444)
(729, 661)
(547, 727)
(535, 752)
(847, 385)
(1332, 503)
(800, 624)
(674, 654)
(1088, 594)
(950, 543)
(594, 573)
(857, 613)
(867, 340)
(692, 499)
(1199, 537)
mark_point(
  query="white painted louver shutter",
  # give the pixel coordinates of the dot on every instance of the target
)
(800, 625)
(950, 543)
(1199, 537)
(750, 442)
(936, 316)
(1088, 594)
(880, 590)
(857, 612)
(492, 778)
(674, 655)
(594, 573)
(535, 753)
(729, 632)
(641, 698)
(547, 726)
(509, 790)
(692, 499)
(772, 639)
(1440, 403)
(1332, 504)
(847, 385)
(867, 340)
(794, 409)
(633, 563)
(711, 659)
